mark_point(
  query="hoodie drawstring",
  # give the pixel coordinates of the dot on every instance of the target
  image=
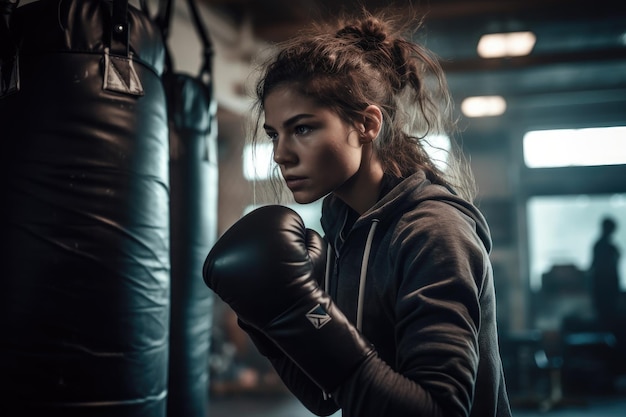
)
(362, 279)
(363, 275)
(329, 251)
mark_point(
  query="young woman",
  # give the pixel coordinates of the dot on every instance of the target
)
(349, 112)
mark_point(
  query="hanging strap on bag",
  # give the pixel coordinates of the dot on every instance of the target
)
(163, 20)
(205, 74)
(119, 73)
(204, 77)
(206, 69)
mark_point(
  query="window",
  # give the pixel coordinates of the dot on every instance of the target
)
(437, 147)
(563, 229)
(257, 161)
(575, 147)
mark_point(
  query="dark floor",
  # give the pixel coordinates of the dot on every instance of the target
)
(554, 394)
(289, 407)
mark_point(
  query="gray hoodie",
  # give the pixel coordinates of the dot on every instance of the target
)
(413, 274)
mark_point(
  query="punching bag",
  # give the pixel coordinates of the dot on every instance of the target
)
(84, 304)
(193, 212)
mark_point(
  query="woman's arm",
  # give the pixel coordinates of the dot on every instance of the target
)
(300, 385)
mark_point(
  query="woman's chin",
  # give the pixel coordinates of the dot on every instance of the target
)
(302, 198)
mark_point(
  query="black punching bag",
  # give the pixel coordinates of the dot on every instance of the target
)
(193, 210)
(84, 304)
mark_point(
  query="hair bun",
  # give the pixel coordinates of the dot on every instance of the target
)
(368, 34)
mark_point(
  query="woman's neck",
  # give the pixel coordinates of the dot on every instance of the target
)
(362, 190)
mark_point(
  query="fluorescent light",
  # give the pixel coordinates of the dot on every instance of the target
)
(498, 45)
(483, 106)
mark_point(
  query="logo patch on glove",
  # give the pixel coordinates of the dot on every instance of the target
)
(318, 316)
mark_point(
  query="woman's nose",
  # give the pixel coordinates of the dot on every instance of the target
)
(283, 153)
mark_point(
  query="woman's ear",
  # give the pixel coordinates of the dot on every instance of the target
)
(372, 124)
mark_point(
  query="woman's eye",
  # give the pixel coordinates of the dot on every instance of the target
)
(302, 130)
(272, 135)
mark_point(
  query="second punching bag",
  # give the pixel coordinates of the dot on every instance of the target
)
(194, 190)
(84, 304)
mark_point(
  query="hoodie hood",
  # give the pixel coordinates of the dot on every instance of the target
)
(398, 196)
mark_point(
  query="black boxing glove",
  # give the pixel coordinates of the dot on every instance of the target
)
(264, 267)
(263, 344)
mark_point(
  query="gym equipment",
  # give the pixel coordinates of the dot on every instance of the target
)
(266, 268)
(194, 184)
(84, 306)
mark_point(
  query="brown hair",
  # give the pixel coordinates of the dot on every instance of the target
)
(366, 60)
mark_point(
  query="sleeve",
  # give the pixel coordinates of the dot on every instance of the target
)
(439, 270)
(298, 383)
(303, 388)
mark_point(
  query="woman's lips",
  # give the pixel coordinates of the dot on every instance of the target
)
(295, 182)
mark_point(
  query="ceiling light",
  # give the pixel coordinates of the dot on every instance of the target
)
(483, 106)
(499, 45)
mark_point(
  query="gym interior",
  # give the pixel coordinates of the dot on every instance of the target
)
(124, 159)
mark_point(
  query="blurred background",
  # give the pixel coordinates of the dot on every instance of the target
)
(548, 148)
(540, 91)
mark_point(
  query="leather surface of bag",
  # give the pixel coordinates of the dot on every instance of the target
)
(194, 188)
(84, 304)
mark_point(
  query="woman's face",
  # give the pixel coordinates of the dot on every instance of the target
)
(318, 153)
